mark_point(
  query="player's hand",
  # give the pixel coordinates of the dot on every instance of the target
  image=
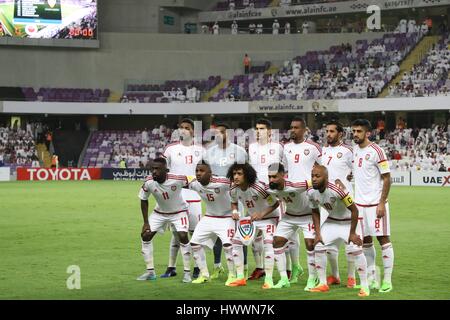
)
(350, 176)
(381, 210)
(340, 184)
(145, 228)
(256, 216)
(235, 216)
(318, 239)
(355, 239)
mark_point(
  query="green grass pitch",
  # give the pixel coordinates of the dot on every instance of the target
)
(47, 226)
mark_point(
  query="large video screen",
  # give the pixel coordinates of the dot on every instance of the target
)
(49, 19)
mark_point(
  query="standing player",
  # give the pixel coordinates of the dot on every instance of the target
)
(171, 209)
(221, 155)
(300, 155)
(298, 215)
(339, 227)
(182, 158)
(264, 212)
(338, 159)
(262, 153)
(372, 184)
(217, 223)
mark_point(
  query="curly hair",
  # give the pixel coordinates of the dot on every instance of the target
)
(249, 172)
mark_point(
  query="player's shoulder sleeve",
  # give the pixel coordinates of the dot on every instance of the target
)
(313, 204)
(261, 188)
(193, 184)
(180, 180)
(145, 191)
(168, 149)
(381, 159)
(301, 186)
(341, 194)
(233, 193)
(317, 148)
(221, 181)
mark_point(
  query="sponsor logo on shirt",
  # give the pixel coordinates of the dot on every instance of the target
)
(339, 155)
(173, 188)
(217, 190)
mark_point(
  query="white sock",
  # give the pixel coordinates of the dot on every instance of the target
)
(320, 260)
(268, 259)
(186, 253)
(387, 252)
(287, 258)
(361, 263)
(217, 265)
(195, 262)
(333, 260)
(350, 266)
(238, 257)
(371, 254)
(280, 260)
(311, 263)
(230, 262)
(294, 250)
(173, 250)
(147, 253)
(257, 248)
(199, 256)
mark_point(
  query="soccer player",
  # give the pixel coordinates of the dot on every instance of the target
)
(182, 158)
(298, 215)
(171, 209)
(262, 153)
(338, 159)
(372, 184)
(221, 155)
(217, 222)
(339, 227)
(299, 157)
(264, 212)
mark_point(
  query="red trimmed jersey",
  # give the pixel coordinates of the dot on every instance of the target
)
(256, 199)
(339, 162)
(333, 199)
(183, 159)
(294, 197)
(167, 194)
(216, 195)
(299, 159)
(369, 164)
(262, 156)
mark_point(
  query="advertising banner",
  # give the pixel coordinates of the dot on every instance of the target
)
(430, 178)
(286, 106)
(43, 174)
(400, 178)
(125, 174)
(4, 174)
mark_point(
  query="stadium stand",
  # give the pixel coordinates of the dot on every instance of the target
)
(17, 148)
(66, 94)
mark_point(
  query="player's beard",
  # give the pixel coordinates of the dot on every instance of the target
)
(273, 185)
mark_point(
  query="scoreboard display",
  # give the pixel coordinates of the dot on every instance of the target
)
(49, 19)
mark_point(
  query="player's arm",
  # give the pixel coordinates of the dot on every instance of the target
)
(273, 205)
(353, 237)
(144, 210)
(235, 212)
(316, 222)
(381, 208)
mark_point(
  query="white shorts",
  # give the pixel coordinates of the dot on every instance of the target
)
(267, 227)
(289, 225)
(194, 206)
(209, 228)
(178, 221)
(373, 226)
(335, 233)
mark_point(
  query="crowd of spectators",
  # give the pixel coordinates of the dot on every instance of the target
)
(17, 147)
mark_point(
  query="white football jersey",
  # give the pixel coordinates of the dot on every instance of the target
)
(221, 159)
(255, 199)
(339, 162)
(369, 164)
(167, 195)
(299, 159)
(262, 156)
(334, 200)
(216, 196)
(294, 197)
(183, 159)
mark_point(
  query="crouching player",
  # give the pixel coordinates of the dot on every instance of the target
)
(264, 212)
(171, 209)
(298, 215)
(341, 226)
(217, 222)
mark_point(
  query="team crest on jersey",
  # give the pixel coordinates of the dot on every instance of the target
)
(306, 152)
(155, 191)
(367, 156)
(255, 198)
(246, 230)
(333, 199)
(217, 190)
(292, 194)
(339, 155)
(197, 153)
(272, 151)
(179, 154)
(173, 188)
